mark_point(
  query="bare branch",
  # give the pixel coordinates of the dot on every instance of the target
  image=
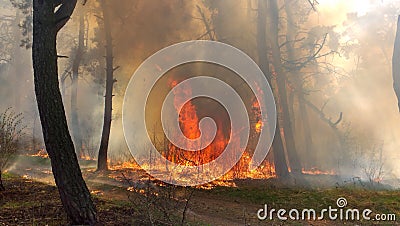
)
(206, 24)
(98, 17)
(322, 115)
(291, 41)
(313, 4)
(339, 119)
(202, 36)
(66, 73)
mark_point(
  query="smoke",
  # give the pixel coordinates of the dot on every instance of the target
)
(355, 81)
(365, 94)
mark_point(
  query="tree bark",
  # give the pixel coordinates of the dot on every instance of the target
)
(396, 63)
(73, 191)
(281, 168)
(76, 132)
(102, 163)
(282, 88)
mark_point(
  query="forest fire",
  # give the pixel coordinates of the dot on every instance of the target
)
(124, 165)
(199, 112)
(258, 122)
(189, 123)
(189, 114)
(315, 171)
(189, 118)
(41, 153)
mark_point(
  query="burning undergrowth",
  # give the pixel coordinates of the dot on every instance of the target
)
(190, 116)
(133, 178)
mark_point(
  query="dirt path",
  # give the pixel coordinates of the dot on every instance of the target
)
(202, 207)
(222, 212)
(206, 207)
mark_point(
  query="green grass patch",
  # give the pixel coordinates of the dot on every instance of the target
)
(33, 160)
(20, 204)
(385, 201)
(8, 176)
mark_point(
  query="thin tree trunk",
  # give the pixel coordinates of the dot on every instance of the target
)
(76, 131)
(17, 58)
(310, 155)
(102, 163)
(74, 193)
(396, 63)
(34, 132)
(298, 83)
(292, 112)
(281, 82)
(281, 168)
(63, 78)
(2, 188)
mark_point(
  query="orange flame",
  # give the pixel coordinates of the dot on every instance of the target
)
(316, 171)
(41, 153)
(189, 123)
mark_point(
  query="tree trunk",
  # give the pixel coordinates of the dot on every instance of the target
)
(297, 79)
(105, 137)
(35, 116)
(281, 168)
(2, 188)
(73, 191)
(76, 132)
(292, 112)
(282, 89)
(310, 159)
(17, 58)
(396, 63)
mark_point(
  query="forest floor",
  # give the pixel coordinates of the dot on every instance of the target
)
(126, 197)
